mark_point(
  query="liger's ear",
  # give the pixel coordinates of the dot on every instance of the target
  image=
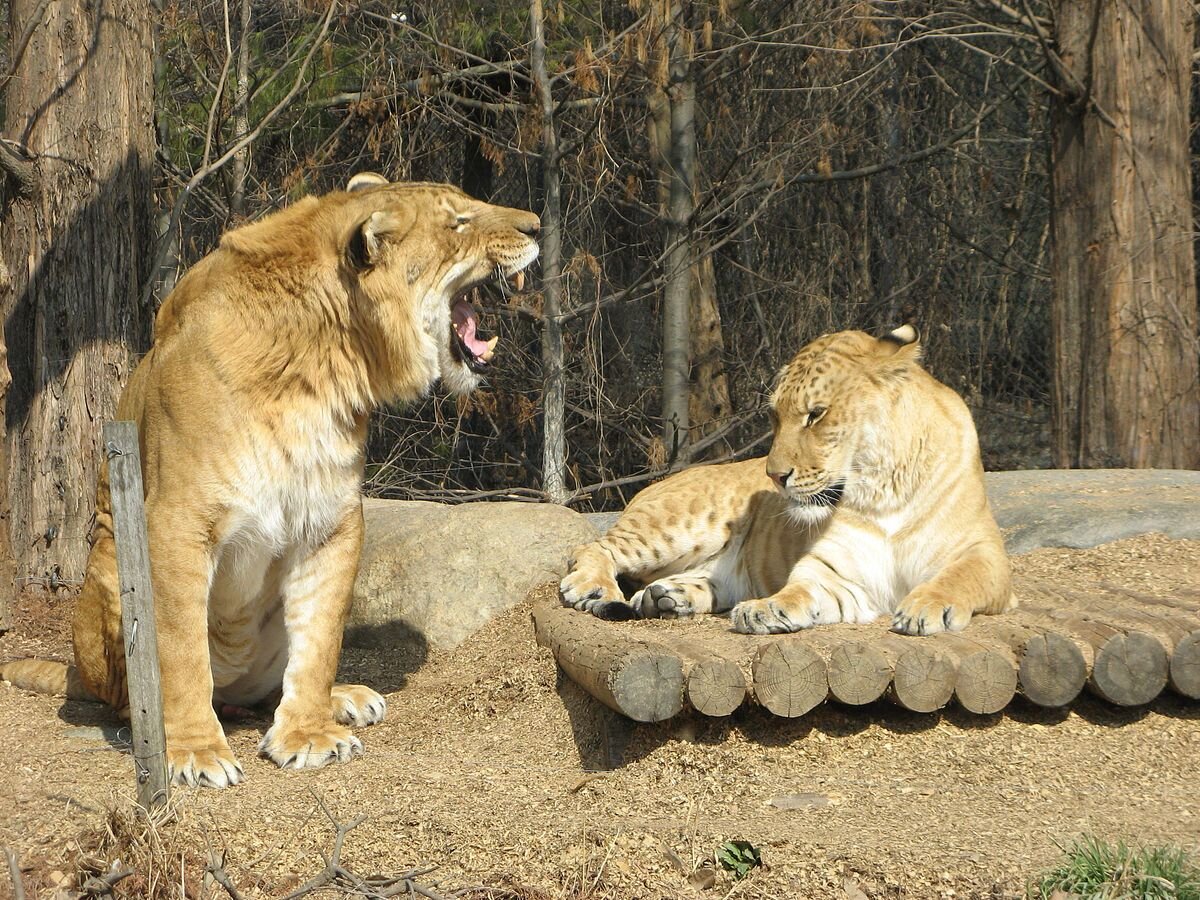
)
(365, 241)
(364, 180)
(902, 336)
(898, 352)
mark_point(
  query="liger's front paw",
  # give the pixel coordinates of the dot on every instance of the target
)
(766, 616)
(663, 600)
(923, 612)
(205, 767)
(582, 591)
(292, 747)
(357, 704)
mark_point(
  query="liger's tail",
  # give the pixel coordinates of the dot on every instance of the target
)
(45, 676)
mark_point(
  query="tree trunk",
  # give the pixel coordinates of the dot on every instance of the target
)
(677, 296)
(77, 245)
(239, 166)
(1124, 298)
(7, 563)
(709, 403)
(554, 448)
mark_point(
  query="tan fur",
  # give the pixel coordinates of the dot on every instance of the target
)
(252, 408)
(910, 535)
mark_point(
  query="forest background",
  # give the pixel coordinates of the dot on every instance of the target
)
(718, 182)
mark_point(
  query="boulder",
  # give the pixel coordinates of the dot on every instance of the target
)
(440, 572)
(1084, 507)
(1079, 508)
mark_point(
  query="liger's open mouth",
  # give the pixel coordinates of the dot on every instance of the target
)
(467, 344)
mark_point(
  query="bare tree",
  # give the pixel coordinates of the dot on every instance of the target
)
(677, 292)
(80, 117)
(1126, 386)
(554, 448)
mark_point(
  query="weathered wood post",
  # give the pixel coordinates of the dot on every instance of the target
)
(137, 613)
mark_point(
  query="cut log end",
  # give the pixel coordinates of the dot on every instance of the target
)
(1053, 670)
(789, 678)
(1130, 669)
(1185, 667)
(986, 682)
(647, 686)
(858, 673)
(715, 687)
(924, 679)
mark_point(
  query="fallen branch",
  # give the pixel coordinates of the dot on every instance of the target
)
(14, 870)
(376, 887)
(102, 885)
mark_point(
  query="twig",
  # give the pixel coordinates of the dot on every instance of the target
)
(100, 885)
(335, 874)
(14, 870)
(19, 50)
(333, 866)
(164, 241)
(216, 868)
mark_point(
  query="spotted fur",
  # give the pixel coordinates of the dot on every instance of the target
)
(871, 502)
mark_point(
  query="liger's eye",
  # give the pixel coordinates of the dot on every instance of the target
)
(814, 415)
(461, 222)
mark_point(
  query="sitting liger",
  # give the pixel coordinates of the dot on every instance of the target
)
(870, 501)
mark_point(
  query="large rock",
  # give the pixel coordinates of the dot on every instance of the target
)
(1085, 507)
(1079, 507)
(439, 573)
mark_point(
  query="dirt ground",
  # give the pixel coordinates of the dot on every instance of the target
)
(489, 767)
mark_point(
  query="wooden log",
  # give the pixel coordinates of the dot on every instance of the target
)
(638, 678)
(1052, 668)
(714, 685)
(1129, 668)
(986, 677)
(923, 675)
(789, 677)
(858, 673)
(1176, 629)
(138, 625)
(1184, 673)
(1184, 600)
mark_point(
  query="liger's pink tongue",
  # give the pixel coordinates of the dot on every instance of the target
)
(463, 316)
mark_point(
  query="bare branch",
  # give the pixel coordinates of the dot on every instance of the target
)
(17, 167)
(14, 871)
(19, 49)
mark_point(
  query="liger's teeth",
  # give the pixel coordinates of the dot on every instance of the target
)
(487, 354)
(519, 279)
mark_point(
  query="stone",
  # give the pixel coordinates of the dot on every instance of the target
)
(1079, 508)
(438, 573)
(1082, 508)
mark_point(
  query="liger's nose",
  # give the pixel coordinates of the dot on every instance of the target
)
(531, 226)
(780, 478)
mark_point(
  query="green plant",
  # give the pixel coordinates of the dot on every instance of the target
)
(1096, 870)
(738, 857)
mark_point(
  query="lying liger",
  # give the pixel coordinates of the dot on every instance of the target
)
(871, 501)
(252, 408)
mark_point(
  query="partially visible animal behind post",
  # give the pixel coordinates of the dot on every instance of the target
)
(252, 411)
(871, 501)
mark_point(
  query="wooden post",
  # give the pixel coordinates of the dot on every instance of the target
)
(137, 613)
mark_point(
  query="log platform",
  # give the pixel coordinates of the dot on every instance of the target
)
(1120, 645)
